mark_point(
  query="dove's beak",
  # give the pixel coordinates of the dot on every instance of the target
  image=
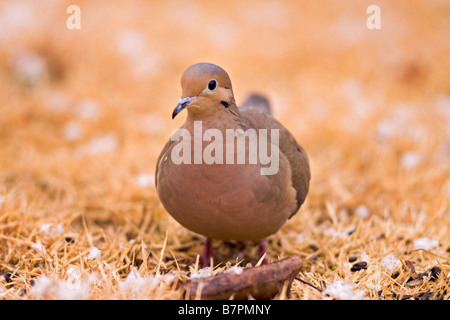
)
(182, 104)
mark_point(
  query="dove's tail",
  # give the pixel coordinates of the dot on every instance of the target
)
(256, 101)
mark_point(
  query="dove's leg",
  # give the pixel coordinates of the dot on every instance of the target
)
(262, 244)
(206, 255)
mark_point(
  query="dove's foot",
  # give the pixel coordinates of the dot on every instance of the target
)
(262, 244)
(207, 253)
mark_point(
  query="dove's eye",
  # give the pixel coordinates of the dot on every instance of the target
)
(212, 85)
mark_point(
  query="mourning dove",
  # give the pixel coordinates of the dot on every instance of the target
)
(229, 200)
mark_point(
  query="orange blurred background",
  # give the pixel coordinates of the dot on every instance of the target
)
(83, 107)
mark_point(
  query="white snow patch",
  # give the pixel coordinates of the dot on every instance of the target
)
(103, 144)
(88, 109)
(235, 269)
(94, 253)
(72, 131)
(42, 287)
(362, 212)
(343, 291)
(30, 67)
(425, 243)
(202, 273)
(390, 262)
(410, 160)
(47, 228)
(145, 180)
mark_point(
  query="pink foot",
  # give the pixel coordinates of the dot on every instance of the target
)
(206, 255)
(262, 244)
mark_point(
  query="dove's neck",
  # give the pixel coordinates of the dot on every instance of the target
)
(227, 119)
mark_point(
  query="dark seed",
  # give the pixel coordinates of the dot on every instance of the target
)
(359, 266)
(314, 247)
(424, 296)
(7, 276)
(229, 243)
(352, 259)
(423, 275)
(435, 272)
(395, 275)
(69, 239)
(184, 248)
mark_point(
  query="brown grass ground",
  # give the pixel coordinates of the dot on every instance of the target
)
(85, 113)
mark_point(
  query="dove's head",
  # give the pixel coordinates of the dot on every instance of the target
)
(206, 89)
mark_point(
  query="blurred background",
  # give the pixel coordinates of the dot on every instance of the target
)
(84, 113)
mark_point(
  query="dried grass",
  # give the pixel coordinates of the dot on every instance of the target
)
(85, 113)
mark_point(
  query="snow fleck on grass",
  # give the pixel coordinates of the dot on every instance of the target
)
(145, 180)
(133, 283)
(42, 286)
(362, 212)
(72, 131)
(47, 229)
(365, 257)
(103, 144)
(153, 123)
(236, 269)
(390, 262)
(386, 129)
(58, 229)
(338, 234)
(410, 160)
(66, 290)
(343, 291)
(94, 253)
(73, 273)
(136, 286)
(47, 288)
(88, 109)
(38, 247)
(425, 243)
(31, 67)
(132, 45)
(2, 291)
(202, 273)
